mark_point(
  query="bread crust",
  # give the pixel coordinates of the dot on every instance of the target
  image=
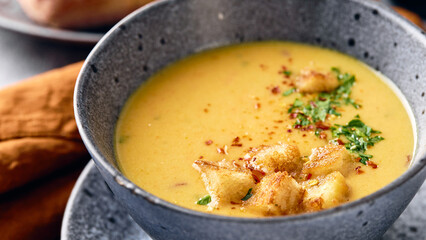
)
(79, 13)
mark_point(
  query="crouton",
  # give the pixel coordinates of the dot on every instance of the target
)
(310, 81)
(327, 159)
(277, 194)
(329, 192)
(224, 183)
(281, 157)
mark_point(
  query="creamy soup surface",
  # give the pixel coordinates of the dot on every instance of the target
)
(194, 109)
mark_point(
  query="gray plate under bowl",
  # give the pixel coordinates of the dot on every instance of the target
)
(93, 213)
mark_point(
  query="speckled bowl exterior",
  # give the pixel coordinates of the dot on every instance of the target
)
(166, 31)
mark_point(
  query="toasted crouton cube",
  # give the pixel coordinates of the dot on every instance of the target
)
(330, 192)
(224, 184)
(281, 157)
(327, 159)
(277, 194)
(310, 81)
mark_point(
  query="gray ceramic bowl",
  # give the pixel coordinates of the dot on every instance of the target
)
(166, 31)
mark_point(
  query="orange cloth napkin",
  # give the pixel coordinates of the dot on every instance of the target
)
(414, 18)
(38, 133)
(36, 211)
(38, 138)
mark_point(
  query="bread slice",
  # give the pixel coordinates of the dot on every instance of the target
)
(281, 157)
(225, 184)
(277, 194)
(329, 192)
(79, 13)
(310, 81)
(327, 159)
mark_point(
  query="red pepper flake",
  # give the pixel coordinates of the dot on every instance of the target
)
(320, 125)
(208, 142)
(278, 121)
(223, 150)
(322, 99)
(236, 142)
(371, 164)
(234, 203)
(257, 106)
(201, 157)
(275, 90)
(240, 158)
(293, 115)
(304, 135)
(263, 66)
(358, 170)
(257, 175)
(289, 130)
(309, 176)
(408, 158)
(307, 128)
(206, 110)
(181, 184)
(313, 104)
(340, 142)
(323, 135)
(236, 164)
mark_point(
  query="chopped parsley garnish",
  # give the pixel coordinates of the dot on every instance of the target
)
(204, 200)
(287, 73)
(248, 195)
(323, 105)
(288, 92)
(358, 138)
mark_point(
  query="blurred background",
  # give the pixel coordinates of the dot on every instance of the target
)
(40, 35)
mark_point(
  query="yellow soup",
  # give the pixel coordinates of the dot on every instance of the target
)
(220, 103)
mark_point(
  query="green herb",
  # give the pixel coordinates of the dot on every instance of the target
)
(358, 137)
(344, 90)
(204, 200)
(248, 196)
(288, 92)
(287, 73)
(324, 104)
(123, 139)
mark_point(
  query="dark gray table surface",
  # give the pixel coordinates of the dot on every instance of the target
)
(23, 56)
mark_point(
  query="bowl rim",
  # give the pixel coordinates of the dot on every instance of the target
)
(123, 181)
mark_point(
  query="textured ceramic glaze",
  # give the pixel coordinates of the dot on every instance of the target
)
(166, 31)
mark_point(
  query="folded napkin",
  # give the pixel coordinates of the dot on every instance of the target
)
(38, 140)
(36, 211)
(414, 18)
(38, 133)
